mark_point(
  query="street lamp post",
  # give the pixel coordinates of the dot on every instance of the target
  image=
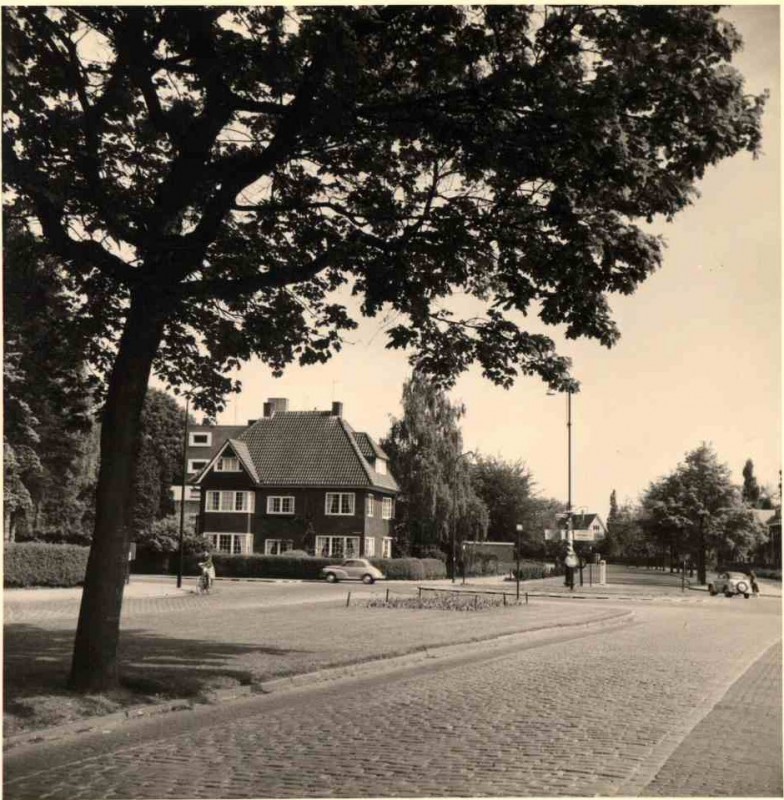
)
(182, 496)
(570, 554)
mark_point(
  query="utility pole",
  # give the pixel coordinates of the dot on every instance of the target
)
(182, 496)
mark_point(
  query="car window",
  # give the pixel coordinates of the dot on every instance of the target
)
(353, 563)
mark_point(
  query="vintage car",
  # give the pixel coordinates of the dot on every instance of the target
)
(731, 583)
(358, 569)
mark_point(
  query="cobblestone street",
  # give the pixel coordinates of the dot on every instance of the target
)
(604, 714)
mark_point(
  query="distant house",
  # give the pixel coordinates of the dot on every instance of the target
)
(297, 480)
(585, 527)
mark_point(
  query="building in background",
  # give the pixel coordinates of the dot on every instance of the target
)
(295, 480)
(586, 527)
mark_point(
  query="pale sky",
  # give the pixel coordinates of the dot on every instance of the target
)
(699, 357)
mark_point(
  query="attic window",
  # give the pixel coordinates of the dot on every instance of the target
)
(200, 439)
(196, 465)
(228, 464)
(381, 466)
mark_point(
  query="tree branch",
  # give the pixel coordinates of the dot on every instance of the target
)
(232, 289)
(83, 254)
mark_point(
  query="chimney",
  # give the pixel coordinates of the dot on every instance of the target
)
(267, 410)
(279, 404)
(251, 422)
(337, 409)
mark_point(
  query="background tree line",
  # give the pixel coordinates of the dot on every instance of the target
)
(449, 495)
(695, 514)
(51, 428)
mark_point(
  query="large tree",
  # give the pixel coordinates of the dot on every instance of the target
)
(438, 507)
(207, 175)
(506, 489)
(696, 509)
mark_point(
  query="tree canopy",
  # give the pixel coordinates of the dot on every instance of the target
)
(437, 502)
(246, 161)
(696, 509)
(208, 177)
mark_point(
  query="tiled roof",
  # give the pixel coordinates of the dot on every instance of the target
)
(368, 447)
(309, 448)
(581, 522)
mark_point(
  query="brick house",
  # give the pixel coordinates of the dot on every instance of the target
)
(300, 480)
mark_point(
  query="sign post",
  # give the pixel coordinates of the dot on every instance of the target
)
(519, 528)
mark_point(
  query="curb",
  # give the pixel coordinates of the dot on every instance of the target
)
(328, 675)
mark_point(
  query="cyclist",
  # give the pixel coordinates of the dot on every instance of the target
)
(207, 570)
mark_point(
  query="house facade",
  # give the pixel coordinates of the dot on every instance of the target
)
(301, 480)
(585, 528)
(202, 441)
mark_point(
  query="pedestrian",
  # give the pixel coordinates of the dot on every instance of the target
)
(754, 584)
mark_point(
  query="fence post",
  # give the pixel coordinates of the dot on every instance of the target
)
(504, 598)
(348, 599)
(683, 576)
(387, 600)
(526, 598)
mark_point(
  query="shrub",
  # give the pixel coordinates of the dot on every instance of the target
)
(257, 565)
(41, 564)
(305, 567)
(433, 568)
(401, 569)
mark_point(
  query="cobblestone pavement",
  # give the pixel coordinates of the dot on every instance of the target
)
(598, 715)
(745, 727)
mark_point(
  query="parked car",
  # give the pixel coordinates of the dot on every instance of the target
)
(731, 583)
(357, 569)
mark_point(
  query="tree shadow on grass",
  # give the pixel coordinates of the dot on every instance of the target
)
(152, 667)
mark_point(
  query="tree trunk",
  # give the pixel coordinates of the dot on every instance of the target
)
(94, 666)
(701, 571)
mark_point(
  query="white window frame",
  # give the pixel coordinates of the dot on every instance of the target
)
(387, 508)
(194, 493)
(340, 513)
(370, 546)
(193, 469)
(224, 462)
(386, 547)
(370, 503)
(192, 439)
(224, 502)
(268, 546)
(326, 546)
(239, 543)
(281, 498)
(381, 466)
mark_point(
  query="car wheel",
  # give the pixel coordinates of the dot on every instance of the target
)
(331, 577)
(742, 588)
(746, 595)
(711, 589)
(727, 593)
(367, 579)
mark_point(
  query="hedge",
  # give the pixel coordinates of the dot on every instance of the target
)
(42, 564)
(257, 565)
